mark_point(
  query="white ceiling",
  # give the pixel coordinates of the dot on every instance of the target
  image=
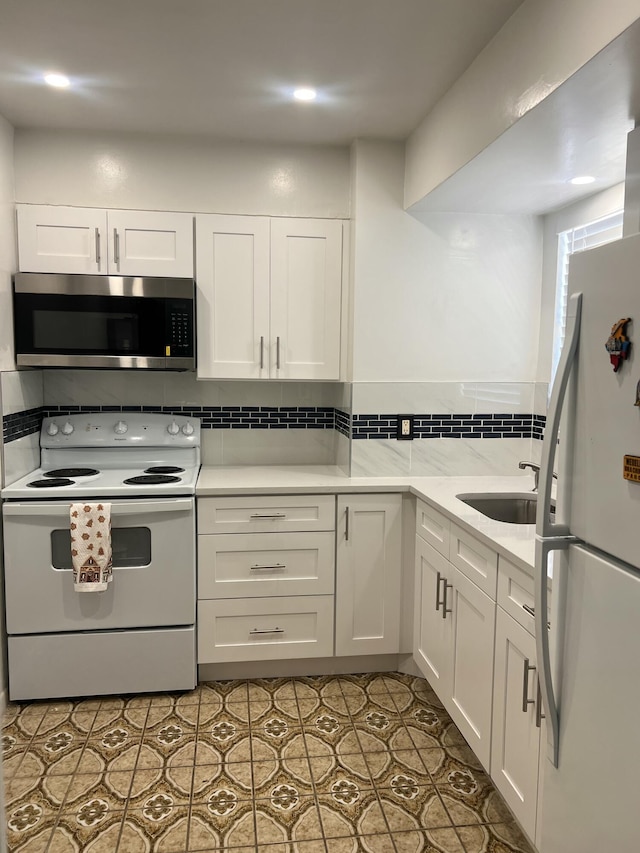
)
(226, 68)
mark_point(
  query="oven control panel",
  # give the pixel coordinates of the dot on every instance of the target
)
(118, 429)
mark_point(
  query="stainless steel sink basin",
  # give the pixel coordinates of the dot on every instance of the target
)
(512, 507)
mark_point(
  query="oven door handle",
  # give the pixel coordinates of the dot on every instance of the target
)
(143, 506)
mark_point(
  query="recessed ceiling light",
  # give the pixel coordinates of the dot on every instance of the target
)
(582, 179)
(58, 81)
(304, 93)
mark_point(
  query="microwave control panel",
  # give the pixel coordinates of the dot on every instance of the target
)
(179, 328)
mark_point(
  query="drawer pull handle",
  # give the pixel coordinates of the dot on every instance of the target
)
(532, 612)
(262, 352)
(116, 247)
(257, 568)
(272, 515)
(438, 579)
(346, 524)
(539, 714)
(446, 609)
(268, 631)
(98, 258)
(525, 685)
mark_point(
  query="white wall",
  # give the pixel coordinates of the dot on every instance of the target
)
(180, 173)
(7, 243)
(446, 298)
(588, 210)
(540, 46)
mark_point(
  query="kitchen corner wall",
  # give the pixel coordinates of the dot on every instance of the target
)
(446, 312)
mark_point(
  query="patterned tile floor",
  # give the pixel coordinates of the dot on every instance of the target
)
(306, 765)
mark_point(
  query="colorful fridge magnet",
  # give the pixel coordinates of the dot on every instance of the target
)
(618, 344)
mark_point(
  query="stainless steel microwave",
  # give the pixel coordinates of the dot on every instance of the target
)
(104, 321)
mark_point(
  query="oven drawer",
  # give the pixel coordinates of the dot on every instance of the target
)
(153, 578)
(265, 564)
(252, 629)
(102, 662)
(266, 514)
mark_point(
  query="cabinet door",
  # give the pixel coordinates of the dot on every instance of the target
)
(473, 616)
(61, 239)
(368, 574)
(143, 242)
(232, 277)
(432, 632)
(516, 739)
(306, 286)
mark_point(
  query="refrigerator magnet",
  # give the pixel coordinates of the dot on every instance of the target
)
(618, 344)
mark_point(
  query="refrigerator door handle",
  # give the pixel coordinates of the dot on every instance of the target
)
(544, 525)
(543, 548)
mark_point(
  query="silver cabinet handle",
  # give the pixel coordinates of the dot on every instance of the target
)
(438, 579)
(346, 524)
(257, 568)
(529, 610)
(267, 631)
(525, 685)
(98, 257)
(446, 609)
(261, 352)
(116, 246)
(539, 714)
(272, 515)
(278, 352)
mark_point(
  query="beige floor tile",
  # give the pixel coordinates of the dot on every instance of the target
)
(496, 838)
(263, 709)
(92, 820)
(331, 772)
(286, 817)
(281, 689)
(162, 824)
(313, 712)
(398, 770)
(221, 822)
(469, 795)
(267, 747)
(351, 812)
(428, 841)
(40, 760)
(379, 843)
(413, 809)
(29, 831)
(320, 686)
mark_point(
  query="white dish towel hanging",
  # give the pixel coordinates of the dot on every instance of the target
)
(90, 528)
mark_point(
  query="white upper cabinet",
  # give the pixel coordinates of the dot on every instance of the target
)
(150, 243)
(232, 275)
(306, 292)
(61, 239)
(269, 297)
(114, 242)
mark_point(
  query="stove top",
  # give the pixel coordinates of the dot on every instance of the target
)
(117, 455)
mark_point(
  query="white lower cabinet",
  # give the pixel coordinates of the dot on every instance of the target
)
(432, 634)
(516, 720)
(368, 574)
(253, 629)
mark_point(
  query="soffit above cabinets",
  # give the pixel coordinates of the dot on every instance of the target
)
(580, 129)
(227, 68)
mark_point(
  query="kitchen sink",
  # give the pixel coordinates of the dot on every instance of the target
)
(512, 507)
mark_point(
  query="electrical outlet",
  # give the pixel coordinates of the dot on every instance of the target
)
(405, 427)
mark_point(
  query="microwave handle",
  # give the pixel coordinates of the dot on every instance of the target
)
(118, 508)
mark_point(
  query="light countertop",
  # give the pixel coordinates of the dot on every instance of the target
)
(514, 541)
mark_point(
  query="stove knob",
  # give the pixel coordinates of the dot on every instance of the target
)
(53, 429)
(187, 429)
(120, 428)
(173, 428)
(67, 428)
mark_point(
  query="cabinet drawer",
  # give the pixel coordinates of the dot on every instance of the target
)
(475, 560)
(433, 526)
(266, 514)
(515, 592)
(265, 564)
(251, 629)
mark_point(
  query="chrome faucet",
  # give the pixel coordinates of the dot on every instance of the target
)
(536, 472)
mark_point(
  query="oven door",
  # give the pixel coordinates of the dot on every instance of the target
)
(153, 578)
(103, 321)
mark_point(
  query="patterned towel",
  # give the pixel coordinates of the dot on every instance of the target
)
(90, 527)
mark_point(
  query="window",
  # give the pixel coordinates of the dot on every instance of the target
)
(578, 239)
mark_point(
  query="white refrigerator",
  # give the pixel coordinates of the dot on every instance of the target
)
(589, 659)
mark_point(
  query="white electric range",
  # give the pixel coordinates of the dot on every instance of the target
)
(139, 634)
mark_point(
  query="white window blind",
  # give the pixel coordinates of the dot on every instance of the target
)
(578, 239)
